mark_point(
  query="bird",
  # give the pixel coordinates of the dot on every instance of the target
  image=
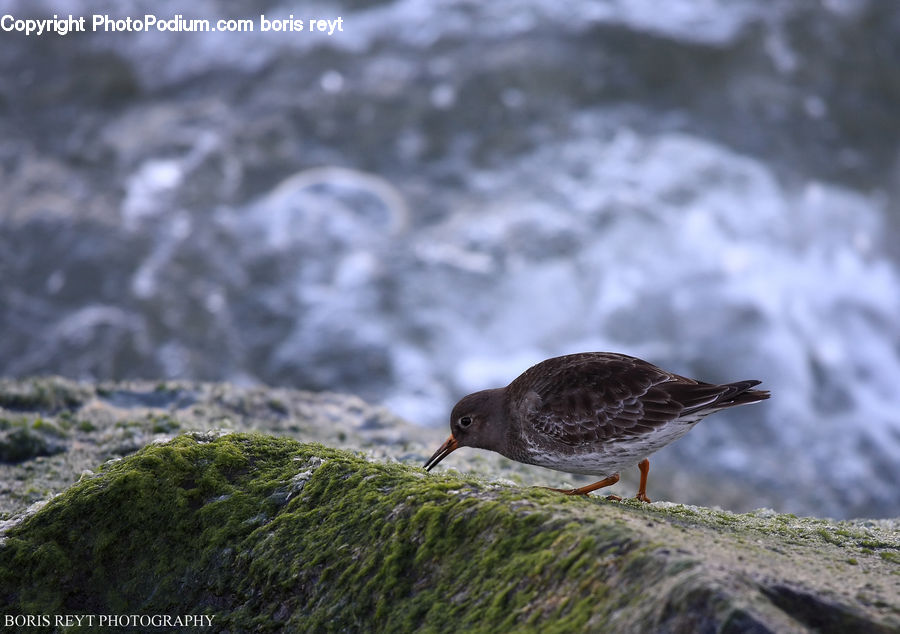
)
(592, 413)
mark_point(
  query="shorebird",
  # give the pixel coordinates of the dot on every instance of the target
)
(591, 413)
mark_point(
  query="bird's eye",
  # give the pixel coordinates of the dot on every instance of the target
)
(465, 421)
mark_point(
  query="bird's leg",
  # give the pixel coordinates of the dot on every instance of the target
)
(605, 482)
(644, 466)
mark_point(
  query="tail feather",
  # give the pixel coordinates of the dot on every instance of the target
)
(706, 397)
(739, 393)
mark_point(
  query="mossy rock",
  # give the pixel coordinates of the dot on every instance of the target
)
(266, 533)
(52, 430)
(22, 440)
(47, 394)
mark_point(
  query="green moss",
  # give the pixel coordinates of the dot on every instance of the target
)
(165, 425)
(278, 406)
(287, 529)
(829, 536)
(891, 555)
(41, 395)
(44, 425)
(269, 534)
(22, 441)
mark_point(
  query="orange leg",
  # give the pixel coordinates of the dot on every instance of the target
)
(606, 482)
(644, 466)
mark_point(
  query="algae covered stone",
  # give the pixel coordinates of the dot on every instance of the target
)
(266, 533)
(53, 429)
(21, 440)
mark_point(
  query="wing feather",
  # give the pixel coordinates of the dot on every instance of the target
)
(594, 397)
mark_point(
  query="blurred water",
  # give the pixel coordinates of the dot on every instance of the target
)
(446, 193)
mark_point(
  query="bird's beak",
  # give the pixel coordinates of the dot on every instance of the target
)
(441, 453)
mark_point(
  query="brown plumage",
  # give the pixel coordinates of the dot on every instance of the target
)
(591, 413)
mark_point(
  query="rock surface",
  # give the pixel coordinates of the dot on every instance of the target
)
(264, 532)
(53, 430)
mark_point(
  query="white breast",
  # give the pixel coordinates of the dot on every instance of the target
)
(611, 456)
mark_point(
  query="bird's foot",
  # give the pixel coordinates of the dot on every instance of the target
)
(566, 491)
(642, 497)
(614, 498)
(590, 487)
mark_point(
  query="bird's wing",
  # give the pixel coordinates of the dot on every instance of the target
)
(592, 398)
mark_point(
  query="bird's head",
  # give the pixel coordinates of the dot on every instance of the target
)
(476, 421)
